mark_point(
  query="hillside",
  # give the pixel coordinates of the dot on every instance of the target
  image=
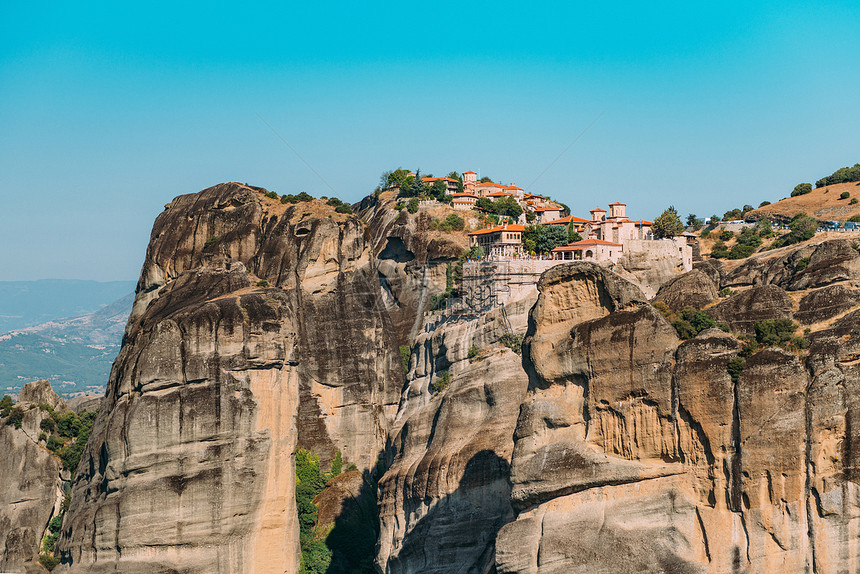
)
(28, 303)
(823, 203)
(74, 354)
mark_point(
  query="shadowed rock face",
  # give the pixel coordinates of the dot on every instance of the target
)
(256, 329)
(694, 289)
(742, 311)
(634, 453)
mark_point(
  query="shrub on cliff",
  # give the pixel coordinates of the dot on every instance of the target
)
(16, 417)
(441, 383)
(844, 195)
(6, 404)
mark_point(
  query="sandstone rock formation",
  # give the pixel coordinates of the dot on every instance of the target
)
(695, 289)
(635, 454)
(30, 475)
(256, 328)
(447, 493)
(609, 445)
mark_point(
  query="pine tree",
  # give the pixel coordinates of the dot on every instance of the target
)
(668, 224)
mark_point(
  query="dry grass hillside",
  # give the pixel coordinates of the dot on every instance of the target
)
(822, 203)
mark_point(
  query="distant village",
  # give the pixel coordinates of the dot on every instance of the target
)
(605, 237)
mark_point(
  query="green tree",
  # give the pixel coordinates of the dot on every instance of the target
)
(508, 206)
(412, 205)
(763, 203)
(551, 236)
(841, 175)
(6, 404)
(440, 189)
(801, 189)
(572, 235)
(668, 224)
(844, 195)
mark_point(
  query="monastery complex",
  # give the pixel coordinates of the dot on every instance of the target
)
(609, 236)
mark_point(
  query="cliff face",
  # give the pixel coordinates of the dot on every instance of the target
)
(32, 486)
(636, 453)
(256, 329)
(609, 445)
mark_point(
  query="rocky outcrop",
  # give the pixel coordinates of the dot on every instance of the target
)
(255, 329)
(743, 310)
(447, 492)
(412, 259)
(826, 303)
(695, 289)
(31, 491)
(827, 262)
(635, 454)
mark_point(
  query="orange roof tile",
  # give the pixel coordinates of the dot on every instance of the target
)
(643, 222)
(510, 227)
(464, 195)
(597, 209)
(618, 203)
(491, 184)
(465, 172)
(512, 186)
(576, 246)
(566, 220)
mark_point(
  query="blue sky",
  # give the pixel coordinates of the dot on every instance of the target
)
(109, 111)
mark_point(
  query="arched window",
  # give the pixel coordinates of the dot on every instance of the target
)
(589, 253)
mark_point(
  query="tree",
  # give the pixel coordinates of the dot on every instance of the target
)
(486, 179)
(668, 224)
(714, 219)
(412, 206)
(439, 189)
(508, 206)
(844, 195)
(763, 203)
(694, 222)
(417, 187)
(801, 189)
(840, 176)
(572, 235)
(551, 236)
(733, 214)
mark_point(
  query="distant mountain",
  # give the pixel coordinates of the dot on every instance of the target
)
(29, 303)
(75, 354)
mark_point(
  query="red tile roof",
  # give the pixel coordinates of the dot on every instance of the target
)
(618, 203)
(435, 178)
(465, 172)
(464, 195)
(512, 186)
(576, 246)
(547, 209)
(597, 209)
(498, 228)
(643, 222)
(566, 220)
(491, 184)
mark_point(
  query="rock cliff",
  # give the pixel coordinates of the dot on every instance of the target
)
(32, 486)
(635, 452)
(570, 430)
(256, 328)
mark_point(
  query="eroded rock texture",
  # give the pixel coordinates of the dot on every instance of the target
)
(634, 453)
(31, 490)
(447, 491)
(256, 329)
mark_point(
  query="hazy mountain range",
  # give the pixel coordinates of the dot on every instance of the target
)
(67, 332)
